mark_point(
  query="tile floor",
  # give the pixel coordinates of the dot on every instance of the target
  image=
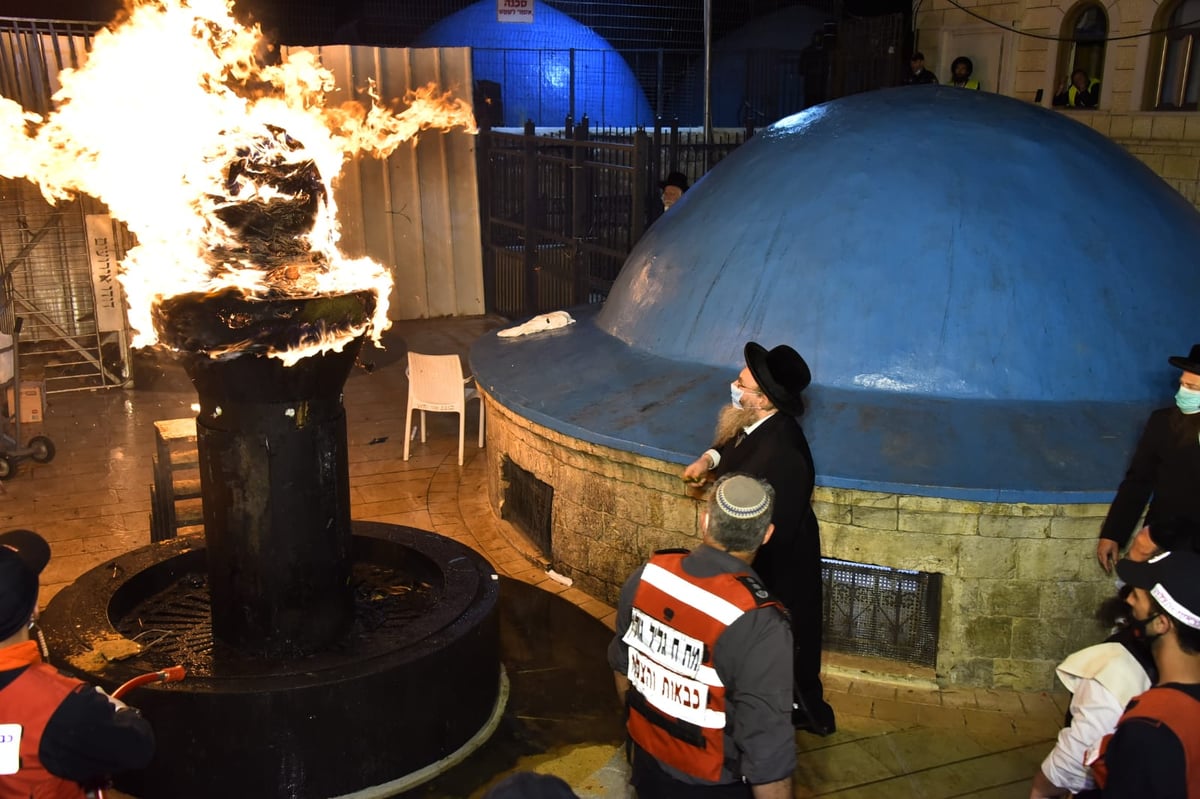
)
(897, 737)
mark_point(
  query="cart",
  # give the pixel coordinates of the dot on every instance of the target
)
(39, 449)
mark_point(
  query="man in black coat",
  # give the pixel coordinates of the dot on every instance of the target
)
(1165, 469)
(758, 435)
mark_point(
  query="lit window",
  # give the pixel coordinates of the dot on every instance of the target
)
(1082, 50)
(1178, 75)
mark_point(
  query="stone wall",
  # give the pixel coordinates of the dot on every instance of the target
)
(1019, 584)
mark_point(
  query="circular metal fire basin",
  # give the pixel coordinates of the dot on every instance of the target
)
(415, 681)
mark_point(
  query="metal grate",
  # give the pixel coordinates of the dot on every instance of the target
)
(881, 612)
(527, 504)
(175, 624)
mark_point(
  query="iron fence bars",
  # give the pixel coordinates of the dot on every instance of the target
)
(560, 216)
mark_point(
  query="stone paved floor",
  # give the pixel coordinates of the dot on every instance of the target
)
(897, 737)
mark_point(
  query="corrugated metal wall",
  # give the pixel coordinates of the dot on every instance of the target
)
(417, 211)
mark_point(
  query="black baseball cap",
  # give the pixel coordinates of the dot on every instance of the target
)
(1172, 579)
(23, 555)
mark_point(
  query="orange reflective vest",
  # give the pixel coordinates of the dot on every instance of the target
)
(1175, 710)
(31, 700)
(676, 697)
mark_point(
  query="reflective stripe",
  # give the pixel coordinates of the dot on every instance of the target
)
(704, 601)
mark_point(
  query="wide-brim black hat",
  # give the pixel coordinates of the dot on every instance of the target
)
(1189, 364)
(677, 179)
(23, 555)
(781, 374)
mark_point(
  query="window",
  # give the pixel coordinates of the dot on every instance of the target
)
(1178, 86)
(1084, 33)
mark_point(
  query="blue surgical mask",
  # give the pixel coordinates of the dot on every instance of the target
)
(1188, 400)
(736, 394)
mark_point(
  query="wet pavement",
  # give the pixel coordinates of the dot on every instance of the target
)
(898, 735)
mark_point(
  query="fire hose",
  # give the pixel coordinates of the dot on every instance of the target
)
(171, 674)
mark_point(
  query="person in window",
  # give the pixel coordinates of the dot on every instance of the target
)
(961, 70)
(1081, 92)
(920, 75)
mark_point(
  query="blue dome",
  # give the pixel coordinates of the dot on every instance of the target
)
(987, 293)
(926, 241)
(532, 64)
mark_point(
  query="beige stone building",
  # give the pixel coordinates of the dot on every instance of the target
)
(1142, 52)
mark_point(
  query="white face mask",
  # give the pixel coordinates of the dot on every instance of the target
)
(736, 394)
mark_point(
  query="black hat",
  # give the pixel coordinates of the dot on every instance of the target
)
(530, 785)
(23, 555)
(1171, 580)
(676, 179)
(1189, 364)
(781, 374)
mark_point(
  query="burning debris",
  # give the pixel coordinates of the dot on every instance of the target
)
(220, 164)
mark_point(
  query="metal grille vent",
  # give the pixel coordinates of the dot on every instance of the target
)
(527, 504)
(881, 612)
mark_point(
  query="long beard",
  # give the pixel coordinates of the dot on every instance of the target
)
(730, 422)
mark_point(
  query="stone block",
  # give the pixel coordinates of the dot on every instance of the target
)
(1125, 56)
(1033, 60)
(1098, 120)
(966, 671)
(874, 518)
(1056, 560)
(1181, 167)
(1191, 128)
(1089, 510)
(1034, 639)
(916, 504)
(1014, 527)
(989, 636)
(1017, 598)
(830, 512)
(921, 552)
(1141, 126)
(991, 558)
(1023, 675)
(651, 539)
(1044, 18)
(1071, 528)
(1152, 160)
(848, 496)
(1167, 126)
(570, 551)
(1120, 126)
(1076, 599)
(959, 524)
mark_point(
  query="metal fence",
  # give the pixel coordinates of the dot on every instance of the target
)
(44, 249)
(560, 213)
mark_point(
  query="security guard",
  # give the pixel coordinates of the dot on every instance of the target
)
(57, 734)
(702, 660)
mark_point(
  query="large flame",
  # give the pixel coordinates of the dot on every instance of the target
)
(168, 101)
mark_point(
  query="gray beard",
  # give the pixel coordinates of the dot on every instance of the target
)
(731, 421)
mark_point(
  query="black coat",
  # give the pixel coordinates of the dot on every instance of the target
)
(1164, 471)
(790, 563)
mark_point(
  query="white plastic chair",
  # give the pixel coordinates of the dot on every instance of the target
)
(436, 383)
